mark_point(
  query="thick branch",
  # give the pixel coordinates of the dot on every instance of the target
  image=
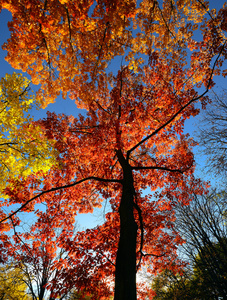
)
(69, 25)
(100, 49)
(8, 144)
(57, 189)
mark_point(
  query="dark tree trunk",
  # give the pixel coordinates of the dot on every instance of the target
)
(42, 288)
(125, 273)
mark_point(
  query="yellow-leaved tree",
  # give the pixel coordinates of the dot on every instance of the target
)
(23, 148)
(12, 285)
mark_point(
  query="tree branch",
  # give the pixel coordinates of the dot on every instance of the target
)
(57, 189)
(19, 238)
(106, 257)
(157, 168)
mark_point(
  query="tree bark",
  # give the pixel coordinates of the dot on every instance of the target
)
(125, 273)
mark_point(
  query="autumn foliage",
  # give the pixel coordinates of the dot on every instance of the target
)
(12, 285)
(131, 138)
(66, 46)
(21, 143)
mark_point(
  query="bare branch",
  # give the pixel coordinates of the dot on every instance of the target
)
(157, 168)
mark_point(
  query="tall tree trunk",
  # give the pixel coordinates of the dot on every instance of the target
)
(125, 273)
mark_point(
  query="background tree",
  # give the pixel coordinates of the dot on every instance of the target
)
(75, 295)
(212, 135)
(203, 226)
(195, 282)
(12, 285)
(168, 285)
(205, 268)
(130, 139)
(23, 148)
(40, 254)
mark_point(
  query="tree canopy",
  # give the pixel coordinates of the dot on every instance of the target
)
(67, 46)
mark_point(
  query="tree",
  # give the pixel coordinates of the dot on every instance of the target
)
(12, 285)
(196, 281)
(203, 225)
(206, 266)
(132, 137)
(168, 285)
(100, 138)
(23, 148)
(39, 253)
(212, 134)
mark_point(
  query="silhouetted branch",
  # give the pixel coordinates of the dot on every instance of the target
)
(57, 189)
